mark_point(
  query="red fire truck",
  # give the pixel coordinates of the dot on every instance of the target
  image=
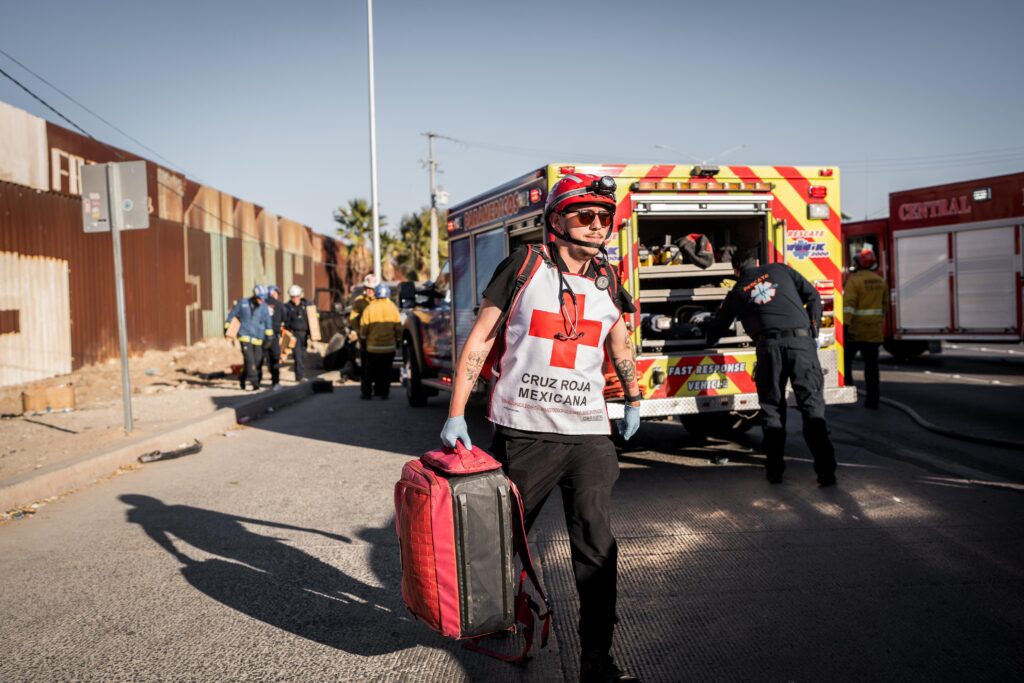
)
(952, 257)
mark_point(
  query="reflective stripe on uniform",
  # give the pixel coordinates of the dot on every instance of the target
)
(863, 311)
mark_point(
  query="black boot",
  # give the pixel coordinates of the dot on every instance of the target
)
(820, 445)
(602, 669)
(773, 446)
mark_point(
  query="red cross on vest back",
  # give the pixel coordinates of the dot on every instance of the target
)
(546, 325)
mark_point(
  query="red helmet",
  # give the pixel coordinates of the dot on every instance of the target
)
(580, 188)
(866, 258)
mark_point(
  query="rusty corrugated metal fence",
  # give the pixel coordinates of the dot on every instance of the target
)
(204, 249)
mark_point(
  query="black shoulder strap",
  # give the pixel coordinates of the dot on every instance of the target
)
(534, 252)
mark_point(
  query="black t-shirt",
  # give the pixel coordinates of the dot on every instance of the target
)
(502, 285)
(499, 291)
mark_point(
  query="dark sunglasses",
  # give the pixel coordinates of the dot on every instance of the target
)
(586, 216)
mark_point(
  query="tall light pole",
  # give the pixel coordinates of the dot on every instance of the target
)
(373, 145)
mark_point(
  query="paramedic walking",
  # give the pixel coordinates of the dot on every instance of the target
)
(781, 311)
(865, 303)
(554, 311)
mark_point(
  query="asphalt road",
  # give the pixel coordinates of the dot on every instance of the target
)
(973, 389)
(271, 555)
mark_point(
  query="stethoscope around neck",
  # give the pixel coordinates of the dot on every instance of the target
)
(572, 331)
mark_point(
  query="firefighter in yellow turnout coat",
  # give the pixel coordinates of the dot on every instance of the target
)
(865, 303)
(380, 331)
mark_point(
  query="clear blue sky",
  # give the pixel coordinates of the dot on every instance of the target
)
(268, 100)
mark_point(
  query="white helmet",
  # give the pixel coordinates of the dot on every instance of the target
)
(370, 281)
(295, 290)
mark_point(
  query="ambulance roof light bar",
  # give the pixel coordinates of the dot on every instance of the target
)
(699, 184)
(704, 171)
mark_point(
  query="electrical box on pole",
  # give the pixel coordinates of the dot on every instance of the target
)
(115, 198)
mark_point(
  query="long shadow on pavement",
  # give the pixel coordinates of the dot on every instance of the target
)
(269, 580)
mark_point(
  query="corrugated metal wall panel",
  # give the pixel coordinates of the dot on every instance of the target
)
(34, 293)
(233, 278)
(204, 250)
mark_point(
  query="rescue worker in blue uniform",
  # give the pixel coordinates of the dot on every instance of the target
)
(555, 325)
(296, 321)
(255, 325)
(781, 311)
(272, 342)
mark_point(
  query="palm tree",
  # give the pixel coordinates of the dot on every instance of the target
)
(415, 235)
(356, 232)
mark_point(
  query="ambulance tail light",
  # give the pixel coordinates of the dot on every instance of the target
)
(817, 191)
(535, 195)
(818, 212)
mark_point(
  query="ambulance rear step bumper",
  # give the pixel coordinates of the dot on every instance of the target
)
(691, 405)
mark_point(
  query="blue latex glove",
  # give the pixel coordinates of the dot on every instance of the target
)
(455, 429)
(630, 422)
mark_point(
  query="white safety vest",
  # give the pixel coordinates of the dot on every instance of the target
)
(548, 385)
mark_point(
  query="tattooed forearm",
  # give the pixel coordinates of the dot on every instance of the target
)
(474, 364)
(625, 368)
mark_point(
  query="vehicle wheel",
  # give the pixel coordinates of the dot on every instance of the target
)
(334, 352)
(701, 426)
(415, 392)
(905, 350)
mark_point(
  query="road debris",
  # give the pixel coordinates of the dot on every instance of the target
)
(181, 450)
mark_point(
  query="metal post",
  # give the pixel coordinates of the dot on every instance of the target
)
(373, 145)
(116, 224)
(435, 268)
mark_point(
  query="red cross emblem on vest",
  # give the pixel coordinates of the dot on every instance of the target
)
(546, 325)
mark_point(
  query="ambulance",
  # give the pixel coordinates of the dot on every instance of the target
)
(790, 214)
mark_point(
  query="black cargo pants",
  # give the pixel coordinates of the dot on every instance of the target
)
(792, 360)
(299, 353)
(272, 355)
(376, 377)
(869, 352)
(585, 473)
(252, 357)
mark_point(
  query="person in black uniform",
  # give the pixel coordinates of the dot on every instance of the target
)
(296, 322)
(272, 343)
(781, 311)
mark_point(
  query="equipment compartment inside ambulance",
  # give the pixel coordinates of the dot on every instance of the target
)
(678, 297)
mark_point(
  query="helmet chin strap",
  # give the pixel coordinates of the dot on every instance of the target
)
(582, 243)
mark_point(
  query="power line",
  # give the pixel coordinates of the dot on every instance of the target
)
(120, 155)
(43, 102)
(90, 111)
(949, 155)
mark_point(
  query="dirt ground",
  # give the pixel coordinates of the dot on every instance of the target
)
(168, 387)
